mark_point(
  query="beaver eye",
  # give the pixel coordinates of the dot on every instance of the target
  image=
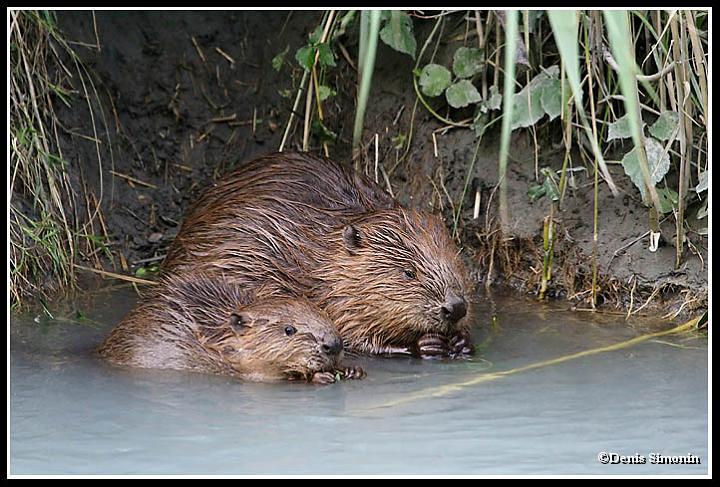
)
(409, 273)
(290, 330)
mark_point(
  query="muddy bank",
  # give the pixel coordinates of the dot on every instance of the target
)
(187, 95)
(184, 96)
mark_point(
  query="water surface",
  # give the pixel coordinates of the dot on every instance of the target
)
(73, 414)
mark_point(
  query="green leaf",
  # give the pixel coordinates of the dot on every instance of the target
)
(462, 94)
(398, 33)
(658, 164)
(467, 62)
(551, 97)
(325, 92)
(536, 191)
(527, 107)
(545, 96)
(620, 129)
(278, 60)
(548, 73)
(49, 19)
(492, 102)
(534, 17)
(551, 187)
(322, 132)
(305, 56)
(398, 141)
(57, 161)
(668, 199)
(346, 20)
(665, 126)
(326, 57)
(564, 25)
(703, 183)
(314, 36)
(434, 79)
(480, 123)
(623, 49)
(703, 210)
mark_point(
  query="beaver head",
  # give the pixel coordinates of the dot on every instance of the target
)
(278, 338)
(396, 275)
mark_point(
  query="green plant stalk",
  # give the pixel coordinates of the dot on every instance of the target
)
(438, 22)
(548, 246)
(468, 176)
(306, 73)
(366, 79)
(699, 57)
(433, 112)
(564, 25)
(593, 299)
(658, 58)
(362, 47)
(567, 132)
(511, 33)
(418, 98)
(327, 22)
(682, 70)
(316, 87)
(456, 220)
(619, 35)
(588, 65)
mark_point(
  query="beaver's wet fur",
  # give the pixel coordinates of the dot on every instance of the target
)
(390, 278)
(206, 324)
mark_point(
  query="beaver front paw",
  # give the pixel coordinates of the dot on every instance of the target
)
(323, 378)
(461, 346)
(353, 372)
(431, 346)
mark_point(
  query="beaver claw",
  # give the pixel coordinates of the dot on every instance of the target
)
(350, 373)
(431, 346)
(436, 346)
(323, 378)
(460, 346)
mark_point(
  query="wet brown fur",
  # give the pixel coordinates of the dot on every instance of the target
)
(187, 323)
(296, 224)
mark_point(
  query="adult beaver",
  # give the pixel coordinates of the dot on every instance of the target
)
(390, 278)
(206, 324)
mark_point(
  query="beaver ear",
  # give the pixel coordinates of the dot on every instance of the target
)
(239, 322)
(351, 237)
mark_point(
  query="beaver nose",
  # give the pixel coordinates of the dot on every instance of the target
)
(332, 346)
(453, 309)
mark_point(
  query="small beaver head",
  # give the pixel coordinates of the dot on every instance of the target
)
(279, 338)
(396, 276)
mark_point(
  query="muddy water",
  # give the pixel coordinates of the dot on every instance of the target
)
(72, 414)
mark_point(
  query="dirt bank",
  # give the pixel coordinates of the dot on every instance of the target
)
(188, 95)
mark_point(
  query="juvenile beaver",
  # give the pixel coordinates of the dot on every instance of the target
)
(206, 324)
(390, 278)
